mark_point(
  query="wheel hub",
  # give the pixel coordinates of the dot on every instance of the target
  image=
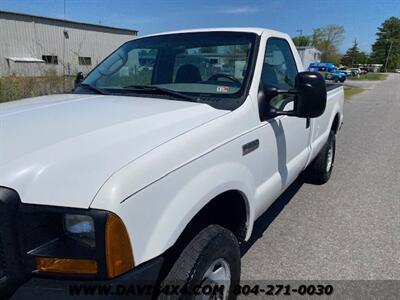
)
(329, 160)
(218, 274)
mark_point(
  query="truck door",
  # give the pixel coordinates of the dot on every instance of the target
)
(291, 133)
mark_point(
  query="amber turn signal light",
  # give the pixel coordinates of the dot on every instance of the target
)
(119, 255)
(67, 266)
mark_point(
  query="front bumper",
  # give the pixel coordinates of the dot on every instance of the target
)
(136, 284)
(19, 280)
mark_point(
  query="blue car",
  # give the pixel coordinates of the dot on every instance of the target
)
(329, 71)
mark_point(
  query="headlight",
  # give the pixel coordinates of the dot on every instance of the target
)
(75, 241)
(80, 228)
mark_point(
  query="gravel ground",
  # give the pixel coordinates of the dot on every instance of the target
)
(366, 84)
(348, 228)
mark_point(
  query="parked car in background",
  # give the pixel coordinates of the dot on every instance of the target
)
(355, 71)
(346, 71)
(328, 71)
(364, 71)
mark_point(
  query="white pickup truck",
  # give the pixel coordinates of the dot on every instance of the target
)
(159, 162)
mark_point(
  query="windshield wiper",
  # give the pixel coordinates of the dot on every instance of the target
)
(93, 88)
(156, 89)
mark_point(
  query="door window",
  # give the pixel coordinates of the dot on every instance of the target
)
(279, 71)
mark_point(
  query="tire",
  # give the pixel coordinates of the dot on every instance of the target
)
(213, 248)
(342, 80)
(321, 168)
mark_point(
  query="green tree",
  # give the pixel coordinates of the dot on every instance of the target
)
(302, 40)
(349, 59)
(386, 49)
(354, 56)
(362, 58)
(328, 40)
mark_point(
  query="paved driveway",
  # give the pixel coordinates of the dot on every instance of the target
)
(348, 228)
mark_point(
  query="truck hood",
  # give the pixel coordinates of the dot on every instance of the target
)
(60, 149)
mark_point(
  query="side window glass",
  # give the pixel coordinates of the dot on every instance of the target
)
(208, 61)
(279, 71)
(132, 68)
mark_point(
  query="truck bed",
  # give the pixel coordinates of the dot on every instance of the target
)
(332, 86)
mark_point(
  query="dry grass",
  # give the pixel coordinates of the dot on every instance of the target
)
(370, 76)
(350, 92)
(19, 87)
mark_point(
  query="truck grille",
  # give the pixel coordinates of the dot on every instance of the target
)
(2, 263)
(2, 260)
(11, 272)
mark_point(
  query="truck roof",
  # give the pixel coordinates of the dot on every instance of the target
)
(256, 30)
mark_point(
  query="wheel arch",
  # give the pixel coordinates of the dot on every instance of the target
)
(235, 219)
(240, 212)
(336, 123)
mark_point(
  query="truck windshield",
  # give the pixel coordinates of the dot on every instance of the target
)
(205, 66)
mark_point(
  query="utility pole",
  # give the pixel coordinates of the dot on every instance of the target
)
(300, 31)
(388, 39)
(388, 55)
(353, 53)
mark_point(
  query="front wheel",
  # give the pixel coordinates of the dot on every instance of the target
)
(208, 267)
(320, 169)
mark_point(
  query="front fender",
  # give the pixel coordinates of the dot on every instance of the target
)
(197, 193)
(156, 216)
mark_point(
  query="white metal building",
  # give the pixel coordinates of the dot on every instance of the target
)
(34, 45)
(309, 55)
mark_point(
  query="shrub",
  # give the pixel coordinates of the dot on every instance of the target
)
(19, 87)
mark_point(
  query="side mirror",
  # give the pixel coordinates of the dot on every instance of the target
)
(78, 79)
(309, 100)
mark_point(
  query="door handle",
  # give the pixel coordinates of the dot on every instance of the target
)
(308, 122)
(250, 147)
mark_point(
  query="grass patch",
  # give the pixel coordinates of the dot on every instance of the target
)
(19, 87)
(350, 92)
(371, 76)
